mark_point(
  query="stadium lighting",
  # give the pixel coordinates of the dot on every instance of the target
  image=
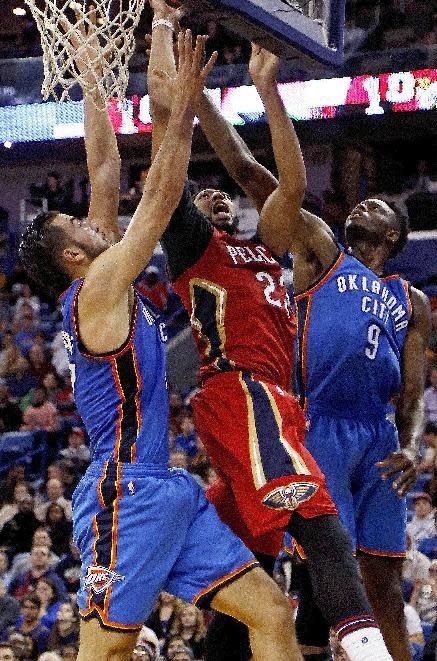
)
(19, 11)
(7, 144)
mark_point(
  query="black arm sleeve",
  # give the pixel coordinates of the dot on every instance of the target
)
(187, 236)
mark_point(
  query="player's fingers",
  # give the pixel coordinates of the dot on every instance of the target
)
(199, 52)
(389, 472)
(181, 49)
(188, 48)
(209, 65)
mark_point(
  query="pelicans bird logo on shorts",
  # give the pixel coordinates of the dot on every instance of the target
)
(291, 496)
(98, 579)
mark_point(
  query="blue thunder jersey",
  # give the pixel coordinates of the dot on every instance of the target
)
(121, 396)
(352, 327)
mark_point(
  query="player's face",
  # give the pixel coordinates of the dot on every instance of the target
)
(369, 224)
(84, 234)
(216, 205)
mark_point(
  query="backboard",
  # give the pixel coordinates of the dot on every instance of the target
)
(289, 28)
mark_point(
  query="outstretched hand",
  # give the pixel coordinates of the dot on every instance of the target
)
(263, 66)
(399, 462)
(191, 76)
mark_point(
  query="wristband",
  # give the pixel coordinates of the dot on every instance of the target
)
(164, 23)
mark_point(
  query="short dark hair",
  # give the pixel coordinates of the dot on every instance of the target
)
(404, 228)
(40, 252)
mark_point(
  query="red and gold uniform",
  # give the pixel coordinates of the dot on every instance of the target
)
(252, 428)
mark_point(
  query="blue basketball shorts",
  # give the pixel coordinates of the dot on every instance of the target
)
(346, 451)
(141, 530)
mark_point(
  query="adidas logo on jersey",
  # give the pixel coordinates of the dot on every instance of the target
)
(291, 496)
(98, 579)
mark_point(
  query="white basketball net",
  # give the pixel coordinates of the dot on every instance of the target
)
(115, 22)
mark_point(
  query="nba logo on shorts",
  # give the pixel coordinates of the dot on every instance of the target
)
(98, 579)
(291, 496)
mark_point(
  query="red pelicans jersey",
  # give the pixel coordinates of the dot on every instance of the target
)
(239, 310)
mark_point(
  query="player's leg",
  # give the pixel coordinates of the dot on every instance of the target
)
(312, 630)
(337, 587)
(381, 540)
(129, 524)
(97, 644)
(255, 600)
(383, 583)
(215, 568)
(227, 639)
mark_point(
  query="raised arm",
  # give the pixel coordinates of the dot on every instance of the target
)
(410, 408)
(103, 159)
(281, 212)
(122, 263)
(256, 181)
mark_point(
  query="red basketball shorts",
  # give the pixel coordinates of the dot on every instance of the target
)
(254, 433)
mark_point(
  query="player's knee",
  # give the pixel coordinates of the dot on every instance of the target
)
(382, 578)
(277, 614)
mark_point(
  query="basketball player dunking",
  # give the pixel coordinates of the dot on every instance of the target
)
(244, 327)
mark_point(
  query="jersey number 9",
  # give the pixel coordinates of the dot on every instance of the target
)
(373, 334)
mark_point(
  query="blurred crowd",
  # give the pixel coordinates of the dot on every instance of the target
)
(371, 25)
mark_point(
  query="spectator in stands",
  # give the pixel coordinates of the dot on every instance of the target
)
(39, 366)
(8, 510)
(171, 645)
(22, 562)
(5, 574)
(15, 474)
(422, 522)
(40, 567)
(29, 622)
(182, 653)
(187, 440)
(25, 327)
(76, 451)
(430, 398)
(425, 600)
(21, 381)
(66, 628)
(190, 626)
(9, 608)
(54, 494)
(51, 602)
(27, 298)
(58, 198)
(10, 412)
(7, 653)
(51, 383)
(23, 646)
(428, 545)
(10, 355)
(176, 410)
(415, 631)
(429, 441)
(49, 656)
(16, 534)
(59, 528)
(69, 567)
(163, 616)
(69, 652)
(41, 415)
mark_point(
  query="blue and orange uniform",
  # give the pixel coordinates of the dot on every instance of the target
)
(352, 327)
(140, 527)
(252, 428)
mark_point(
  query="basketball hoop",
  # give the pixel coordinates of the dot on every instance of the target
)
(100, 36)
